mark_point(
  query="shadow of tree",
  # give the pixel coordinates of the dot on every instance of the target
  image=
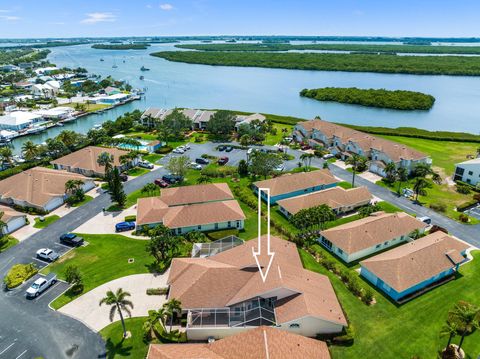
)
(114, 349)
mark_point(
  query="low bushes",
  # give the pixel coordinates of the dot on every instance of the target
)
(18, 274)
(439, 207)
(222, 234)
(164, 149)
(466, 205)
(29, 210)
(463, 218)
(131, 218)
(157, 291)
(463, 188)
(345, 338)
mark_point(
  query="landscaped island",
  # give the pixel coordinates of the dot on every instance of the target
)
(398, 99)
(421, 65)
(142, 46)
(419, 49)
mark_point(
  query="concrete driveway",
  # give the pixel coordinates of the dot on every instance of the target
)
(87, 310)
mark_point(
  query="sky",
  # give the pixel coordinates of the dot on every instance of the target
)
(73, 18)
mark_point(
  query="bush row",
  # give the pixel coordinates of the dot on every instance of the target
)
(18, 274)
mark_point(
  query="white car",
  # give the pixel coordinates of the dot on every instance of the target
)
(186, 146)
(41, 284)
(280, 167)
(327, 156)
(145, 164)
(47, 254)
(195, 166)
(179, 150)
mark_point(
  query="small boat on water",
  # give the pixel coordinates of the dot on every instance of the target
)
(114, 66)
(60, 124)
(34, 130)
(143, 68)
(97, 126)
(142, 77)
(102, 59)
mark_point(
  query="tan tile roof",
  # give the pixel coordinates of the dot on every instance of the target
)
(87, 157)
(37, 185)
(196, 194)
(232, 276)
(259, 343)
(412, 263)
(394, 150)
(9, 213)
(154, 210)
(370, 231)
(335, 197)
(297, 181)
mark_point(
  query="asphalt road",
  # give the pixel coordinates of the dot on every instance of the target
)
(29, 329)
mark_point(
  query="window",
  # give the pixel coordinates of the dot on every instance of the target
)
(229, 224)
(378, 246)
(339, 250)
(386, 243)
(179, 230)
(294, 326)
(238, 224)
(216, 225)
(470, 173)
(326, 243)
(199, 227)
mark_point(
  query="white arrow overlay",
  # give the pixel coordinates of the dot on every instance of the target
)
(256, 254)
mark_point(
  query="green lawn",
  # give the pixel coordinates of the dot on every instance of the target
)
(152, 157)
(408, 331)
(104, 258)
(438, 194)
(137, 171)
(85, 200)
(272, 140)
(444, 153)
(89, 107)
(48, 220)
(7, 242)
(117, 347)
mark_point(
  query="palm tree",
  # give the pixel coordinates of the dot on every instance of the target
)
(450, 329)
(402, 176)
(68, 138)
(354, 160)
(6, 154)
(149, 188)
(118, 304)
(468, 316)
(154, 317)
(171, 307)
(105, 159)
(71, 186)
(306, 158)
(390, 171)
(2, 224)
(30, 150)
(419, 187)
(204, 179)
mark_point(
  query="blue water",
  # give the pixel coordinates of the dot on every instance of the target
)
(171, 84)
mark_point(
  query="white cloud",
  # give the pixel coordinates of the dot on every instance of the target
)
(148, 6)
(166, 7)
(94, 17)
(9, 18)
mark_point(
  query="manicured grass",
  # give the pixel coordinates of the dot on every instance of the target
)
(134, 347)
(85, 200)
(104, 258)
(407, 331)
(152, 157)
(48, 220)
(89, 107)
(137, 171)
(272, 140)
(444, 153)
(7, 242)
(438, 194)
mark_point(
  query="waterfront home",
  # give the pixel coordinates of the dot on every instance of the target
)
(45, 70)
(468, 172)
(85, 161)
(109, 90)
(199, 118)
(13, 219)
(18, 120)
(9, 68)
(340, 200)
(377, 232)
(39, 187)
(47, 90)
(261, 342)
(291, 185)
(247, 120)
(26, 85)
(56, 113)
(181, 219)
(415, 267)
(112, 99)
(224, 294)
(153, 116)
(344, 142)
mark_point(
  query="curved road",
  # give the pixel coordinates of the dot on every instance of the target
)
(29, 329)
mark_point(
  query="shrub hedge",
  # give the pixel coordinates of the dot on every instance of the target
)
(18, 274)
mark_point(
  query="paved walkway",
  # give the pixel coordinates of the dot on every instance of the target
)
(87, 310)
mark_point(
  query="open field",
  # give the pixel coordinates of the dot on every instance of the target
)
(420, 65)
(407, 331)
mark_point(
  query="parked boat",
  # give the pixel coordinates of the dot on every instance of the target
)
(97, 126)
(142, 77)
(114, 66)
(143, 68)
(60, 124)
(34, 130)
(102, 59)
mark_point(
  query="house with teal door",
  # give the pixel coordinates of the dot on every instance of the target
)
(413, 268)
(291, 185)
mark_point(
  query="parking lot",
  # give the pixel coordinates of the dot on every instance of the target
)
(474, 212)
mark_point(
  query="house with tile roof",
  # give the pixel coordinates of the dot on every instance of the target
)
(377, 232)
(259, 343)
(39, 187)
(224, 294)
(152, 116)
(296, 184)
(344, 141)
(415, 267)
(184, 209)
(339, 199)
(13, 219)
(85, 161)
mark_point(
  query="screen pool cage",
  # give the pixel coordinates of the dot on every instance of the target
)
(202, 250)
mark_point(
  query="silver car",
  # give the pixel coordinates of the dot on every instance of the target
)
(47, 254)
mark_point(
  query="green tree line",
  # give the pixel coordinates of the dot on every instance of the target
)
(421, 65)
(143, 46)
(398, 99)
